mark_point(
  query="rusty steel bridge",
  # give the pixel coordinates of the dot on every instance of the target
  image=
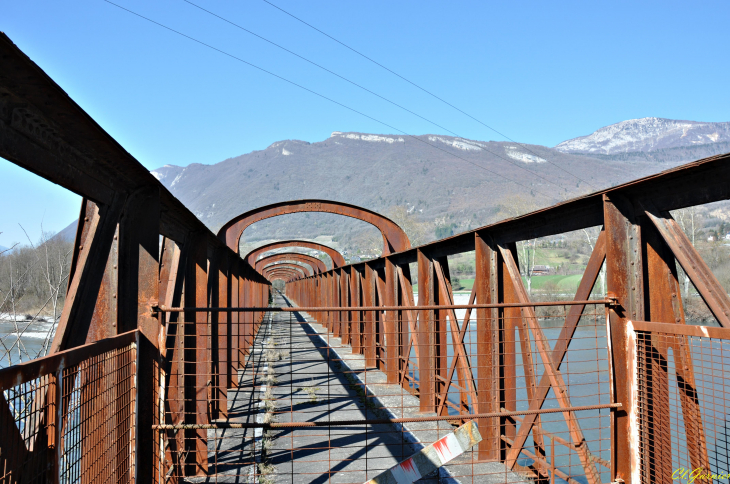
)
(176, 360)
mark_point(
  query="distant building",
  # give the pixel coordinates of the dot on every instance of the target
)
(711, 238)
(354, 258)
(540, 270)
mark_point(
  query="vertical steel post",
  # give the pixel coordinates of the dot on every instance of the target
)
(487, 361)
(355, 333)
(344, 316)
(391, 333)
(624, 281)
(368, 299)
(197, 360)
(441, 364)
(138, 291)
(426, 335)
(235, 325)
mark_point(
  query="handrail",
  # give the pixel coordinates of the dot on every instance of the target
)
(335, 423)
(166, 309)
(30, 370)
(681, 329)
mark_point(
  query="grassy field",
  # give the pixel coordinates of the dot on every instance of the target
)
(569, 284)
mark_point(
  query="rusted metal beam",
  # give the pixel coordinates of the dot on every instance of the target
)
(292, 268)
(196, 358)
(285, 262)
(426, 335)
(570, 325)
(336, 257)
(394, 238)
(316, 264)
(368, 299)
(664, 304)
(624, 281)
(33, 369)
(460, 360)
(288, 269)
(556, 379)
(391, 323)
(694, 266)
(485, 291)
(75, 326)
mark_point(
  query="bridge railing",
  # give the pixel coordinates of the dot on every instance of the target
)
(70, 417)
(682, 400)
(640, 248)
(136, 248)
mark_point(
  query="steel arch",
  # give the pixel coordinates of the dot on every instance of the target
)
(336, 257)
(315, 263)
(394, 238)
(306, 270)
(288, 277)
(299, 269)
(292, 274)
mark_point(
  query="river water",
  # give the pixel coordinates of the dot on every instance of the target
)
(32, 336)
(584, 369)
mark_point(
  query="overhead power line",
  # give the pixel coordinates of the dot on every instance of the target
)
(371, 92)
(422, 89)
(323, 96)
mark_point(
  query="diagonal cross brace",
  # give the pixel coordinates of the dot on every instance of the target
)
(694, 266)
(457, 338)
(552, 373)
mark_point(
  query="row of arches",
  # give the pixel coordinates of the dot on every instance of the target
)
(290, 266)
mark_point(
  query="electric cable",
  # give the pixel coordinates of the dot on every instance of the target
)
(423, 89)
(469, 142)
(324, 97)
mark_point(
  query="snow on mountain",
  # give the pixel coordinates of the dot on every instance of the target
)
(366, 137)
(167, 172)
(647, 134)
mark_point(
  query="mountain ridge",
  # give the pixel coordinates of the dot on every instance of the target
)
(437, 180)
(647, 134)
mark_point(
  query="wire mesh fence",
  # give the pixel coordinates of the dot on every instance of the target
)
(70, 417)
(683, 407)
(310, 406)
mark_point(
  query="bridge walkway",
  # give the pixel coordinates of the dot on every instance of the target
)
(296, 372)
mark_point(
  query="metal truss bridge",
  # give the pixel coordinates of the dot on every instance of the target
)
(176, 360)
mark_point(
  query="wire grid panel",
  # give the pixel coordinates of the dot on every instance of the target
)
(299, 371)
(452, 357)
(28, 439)
(98, 407)
(683, 406)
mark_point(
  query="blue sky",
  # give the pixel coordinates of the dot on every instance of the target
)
(540, 72)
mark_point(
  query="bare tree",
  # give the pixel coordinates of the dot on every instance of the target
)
(416, 230)
(32, 292)
(513, 206)
(591, 235)
(688, 219)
